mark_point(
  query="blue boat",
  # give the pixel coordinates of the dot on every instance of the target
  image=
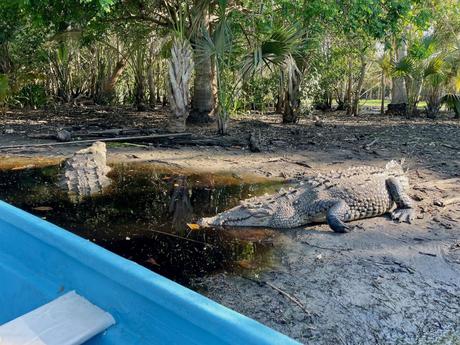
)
(40, 262)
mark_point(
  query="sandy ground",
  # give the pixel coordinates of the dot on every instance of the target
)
(383, 283)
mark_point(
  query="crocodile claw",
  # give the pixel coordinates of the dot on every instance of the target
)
(342, 228)
(403, 215)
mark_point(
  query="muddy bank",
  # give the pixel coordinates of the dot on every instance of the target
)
(427, 145)
(383, 283)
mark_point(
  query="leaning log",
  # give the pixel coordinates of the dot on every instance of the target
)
(139, 138)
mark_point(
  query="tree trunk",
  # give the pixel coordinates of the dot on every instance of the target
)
(179, 72)
(202, 98)
(139, 92)
(6, 64)
(291, 107)
(108, 89)
(151, 84)
(382, 89)
(357, 94)
(434, 101)
(222, 123)
(292, 97)
(280, 97)
(399, 101)
(349, 89)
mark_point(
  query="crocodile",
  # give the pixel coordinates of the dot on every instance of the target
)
(85, 173)
(335, 198)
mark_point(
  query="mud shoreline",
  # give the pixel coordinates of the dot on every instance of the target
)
(384, 283)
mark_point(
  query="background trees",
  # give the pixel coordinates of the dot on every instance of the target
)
(287, 56)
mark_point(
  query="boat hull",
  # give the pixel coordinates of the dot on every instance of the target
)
(40, 262)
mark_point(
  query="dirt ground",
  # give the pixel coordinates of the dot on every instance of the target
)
(383, 283)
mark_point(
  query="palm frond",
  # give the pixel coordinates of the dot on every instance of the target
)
(435, 66)
(456, 82)
(283, 42)
(406, 66)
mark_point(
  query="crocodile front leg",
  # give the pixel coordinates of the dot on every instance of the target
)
(336, 215)
(404, 211)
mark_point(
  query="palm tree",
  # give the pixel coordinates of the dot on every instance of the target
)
(399, 99)
(202, 97)
(286, 49)
(436, 76)
(452, 98)
(217, 47)
(421, 62)
(180, 68)
(452, 101)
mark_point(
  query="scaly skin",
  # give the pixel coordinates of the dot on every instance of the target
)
(335, 198)
(85, 173)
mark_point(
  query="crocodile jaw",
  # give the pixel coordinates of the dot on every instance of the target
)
(239, 216)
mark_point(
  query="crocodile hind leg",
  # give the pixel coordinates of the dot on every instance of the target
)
(404, 211)
(336, 216)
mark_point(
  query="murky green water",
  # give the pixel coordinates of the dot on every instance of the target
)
(143, 216)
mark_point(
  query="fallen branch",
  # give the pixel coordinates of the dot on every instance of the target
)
(428, 254)
(328, 248)
(445, 202)
(282, 292)
(273, 160)
(303, 164)
(368, 146)
(89, 141)
(451, 147)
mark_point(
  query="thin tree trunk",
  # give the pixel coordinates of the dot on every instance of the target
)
(6, 65)
(357, 93)
(151, 84)
(108, 89)
(139, 92)
(349, 89)
(382, 89)
(280, 97)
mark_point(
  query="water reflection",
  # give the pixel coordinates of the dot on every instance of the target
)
(180, 207)
(143, 216)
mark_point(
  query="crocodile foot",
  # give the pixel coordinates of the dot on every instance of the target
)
(403, 215)
(342, 228)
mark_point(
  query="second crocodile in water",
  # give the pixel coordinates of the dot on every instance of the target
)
(336, 198)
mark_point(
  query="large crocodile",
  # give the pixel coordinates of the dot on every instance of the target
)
(336, 198)
(85, 173)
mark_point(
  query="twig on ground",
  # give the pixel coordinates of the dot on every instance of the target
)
(428, 254)
(368, 146)
(447, 201)
(328, 248)
(282, 292)
(451, 147)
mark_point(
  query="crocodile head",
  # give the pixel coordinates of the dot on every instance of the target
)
(240, 216)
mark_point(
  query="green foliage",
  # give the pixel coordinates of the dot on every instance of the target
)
(261, 50)
(32, 95)
(4, 89)
(452, 101)
(281, 42)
